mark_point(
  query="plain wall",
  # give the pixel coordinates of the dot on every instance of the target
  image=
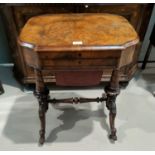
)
(146, 39)
(5, 55)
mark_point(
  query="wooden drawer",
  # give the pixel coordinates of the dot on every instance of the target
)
(79, 63)
(81, 59)
(79, 55)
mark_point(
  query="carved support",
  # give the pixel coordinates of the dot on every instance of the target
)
(112, 91)
(1, 89)
(42, 94)
(77, 100)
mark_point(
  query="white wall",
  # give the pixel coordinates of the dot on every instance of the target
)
(146, 39)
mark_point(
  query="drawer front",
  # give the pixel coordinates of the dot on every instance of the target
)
(79, 59)
(80, 55)
(79, 63)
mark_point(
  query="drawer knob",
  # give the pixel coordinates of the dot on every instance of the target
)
(86, 6)
(79, 54)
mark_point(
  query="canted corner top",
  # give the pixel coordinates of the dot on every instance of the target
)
(77, 31)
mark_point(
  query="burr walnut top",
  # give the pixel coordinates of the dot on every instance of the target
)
(76, 31)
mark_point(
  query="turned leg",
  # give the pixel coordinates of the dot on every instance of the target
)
(42, 94)
(1, 89)
(112, 91)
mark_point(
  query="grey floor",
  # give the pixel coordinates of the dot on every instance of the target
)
(79, 127)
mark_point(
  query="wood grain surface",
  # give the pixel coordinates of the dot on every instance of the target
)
(47, 32)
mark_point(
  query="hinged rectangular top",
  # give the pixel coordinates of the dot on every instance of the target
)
(77, 32)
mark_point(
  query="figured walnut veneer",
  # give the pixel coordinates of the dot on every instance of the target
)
(55, 31)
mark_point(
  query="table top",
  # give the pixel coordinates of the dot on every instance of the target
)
(77, 31)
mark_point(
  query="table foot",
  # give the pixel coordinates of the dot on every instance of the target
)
(42, 137)
(110, 104)
(113, 136)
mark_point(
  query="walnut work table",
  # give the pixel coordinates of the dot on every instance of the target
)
(78, 42)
